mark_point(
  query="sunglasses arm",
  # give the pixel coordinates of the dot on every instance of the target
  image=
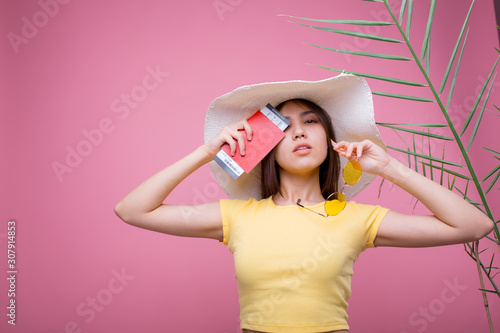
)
(300, 205)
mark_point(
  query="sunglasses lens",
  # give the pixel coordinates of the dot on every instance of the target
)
(335, 203)
(352, 172)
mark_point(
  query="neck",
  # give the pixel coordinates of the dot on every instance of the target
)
(299, 186)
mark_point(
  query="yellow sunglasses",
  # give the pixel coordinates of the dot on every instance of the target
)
(336, 202)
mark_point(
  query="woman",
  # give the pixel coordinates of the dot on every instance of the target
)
(293, 260)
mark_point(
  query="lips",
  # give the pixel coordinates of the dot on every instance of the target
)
(302, 148)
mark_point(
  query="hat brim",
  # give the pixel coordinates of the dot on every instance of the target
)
(346, 98)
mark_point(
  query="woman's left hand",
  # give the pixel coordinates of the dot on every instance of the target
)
(373, 159)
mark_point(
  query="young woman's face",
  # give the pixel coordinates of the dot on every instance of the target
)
(304, 147)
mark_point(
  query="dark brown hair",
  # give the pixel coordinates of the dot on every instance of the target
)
(329, 169)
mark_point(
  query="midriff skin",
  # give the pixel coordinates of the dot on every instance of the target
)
(341, 331)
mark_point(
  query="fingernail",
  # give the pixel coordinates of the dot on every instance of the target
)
(242, 153)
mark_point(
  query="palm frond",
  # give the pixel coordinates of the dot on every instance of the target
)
(428, 28)
(451, 172)
(457, 66)
(353, 33)
(480, 117)
(409, 16)
(351, 22)
(402, 11)
(431, 135)
(422, 158)
(365, 54)
(410, 98)
(435, 159)
(490, 173)
(478, 99)
(375, 77)
(455, 49)
(493, 182)
(492, 151)
(411, 124)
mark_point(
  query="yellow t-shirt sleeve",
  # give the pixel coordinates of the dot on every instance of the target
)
(371, 217)
(229, 210)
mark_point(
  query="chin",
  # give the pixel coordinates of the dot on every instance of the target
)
(300, 168)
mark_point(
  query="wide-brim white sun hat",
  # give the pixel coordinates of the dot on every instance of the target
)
(346, 98)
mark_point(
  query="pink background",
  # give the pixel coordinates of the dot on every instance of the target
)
(68, 80)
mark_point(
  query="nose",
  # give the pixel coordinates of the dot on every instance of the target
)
(299, 132)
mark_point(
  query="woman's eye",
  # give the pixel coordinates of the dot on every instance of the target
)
(310, 121)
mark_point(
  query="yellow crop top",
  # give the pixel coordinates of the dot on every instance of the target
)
(294, 267)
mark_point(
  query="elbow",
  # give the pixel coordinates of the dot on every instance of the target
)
(483, 227)
(130, 214)
(489, 226)
(121, 211)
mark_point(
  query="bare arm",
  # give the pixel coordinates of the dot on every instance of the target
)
(144, 207)
(454, 220)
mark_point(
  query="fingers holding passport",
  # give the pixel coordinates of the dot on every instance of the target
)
(234, 135)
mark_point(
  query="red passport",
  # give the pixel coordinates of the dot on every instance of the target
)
(267, 126)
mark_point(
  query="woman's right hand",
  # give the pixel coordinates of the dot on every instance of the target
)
(233, 135)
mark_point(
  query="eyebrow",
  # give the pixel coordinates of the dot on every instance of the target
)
(302, 114)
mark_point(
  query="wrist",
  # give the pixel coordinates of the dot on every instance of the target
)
(205, 153)
(395, 171)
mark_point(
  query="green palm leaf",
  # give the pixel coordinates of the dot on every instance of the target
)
(442, 166)
(431, 135)
(351, 22)
(428, 57)
(430, 154)
(454, 53)
(353, 33)
(492, 151)
(452, 88)
(410, 98)
(474, 132)
(490, 173)
(496, 107)
(365, 54)
(411, 124)
(478, 99)
(415, 150)
(376, 77)
(493, 182)
(402, 11)
(409, 16)
(427, 36)
(435, 159)
(447, 171)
